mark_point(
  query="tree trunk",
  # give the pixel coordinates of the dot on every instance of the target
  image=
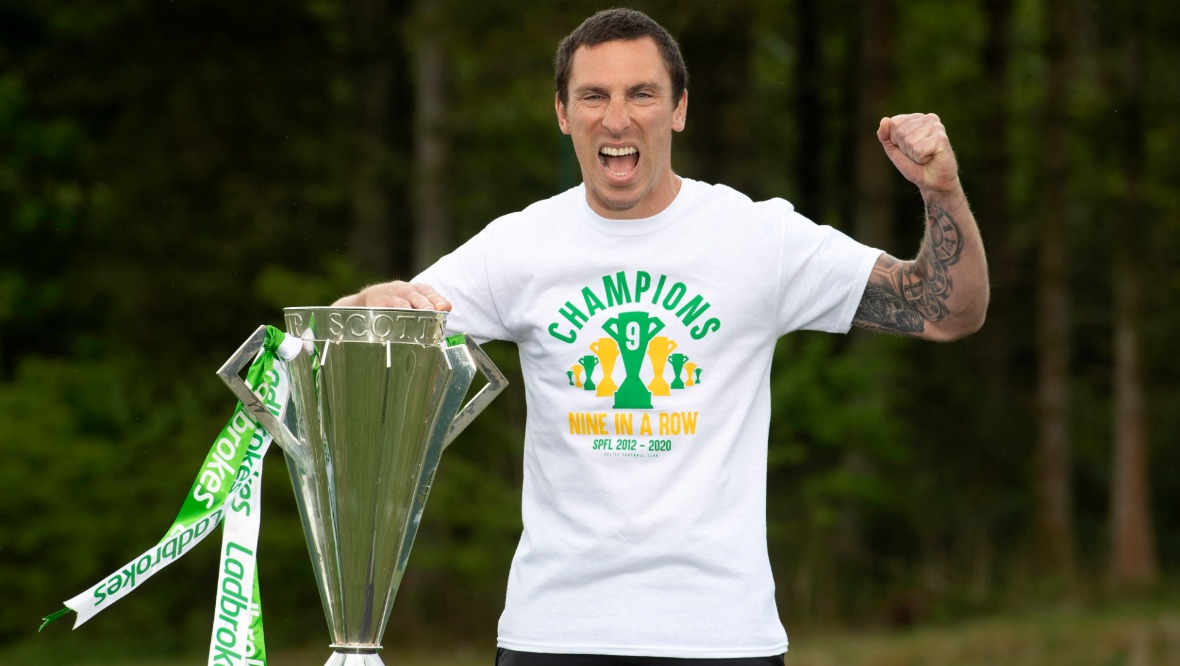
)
(432, 223)
(873, 224)
(723, 31)
(1133, 560)
(993, 212)
(369, 242)
(1054, 518)
(809, 112)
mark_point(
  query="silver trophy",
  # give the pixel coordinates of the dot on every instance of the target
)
(378, 394)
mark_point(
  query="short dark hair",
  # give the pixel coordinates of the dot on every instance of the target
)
(619, 24)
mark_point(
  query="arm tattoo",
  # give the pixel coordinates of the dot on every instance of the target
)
(902, 296)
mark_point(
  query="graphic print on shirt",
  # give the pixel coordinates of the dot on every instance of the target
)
(629, 367)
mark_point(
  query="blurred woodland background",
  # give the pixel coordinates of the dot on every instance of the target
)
(172, 174)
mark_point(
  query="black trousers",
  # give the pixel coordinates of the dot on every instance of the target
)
(514, 658)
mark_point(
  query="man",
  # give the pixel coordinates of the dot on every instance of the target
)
(646, 307)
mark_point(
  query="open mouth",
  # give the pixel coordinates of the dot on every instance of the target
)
(619, 161)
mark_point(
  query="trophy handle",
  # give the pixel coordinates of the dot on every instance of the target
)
(496, 383)
(229, 373)
(615, 332)
(656, 326)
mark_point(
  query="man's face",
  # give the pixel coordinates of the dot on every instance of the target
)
(621, 116)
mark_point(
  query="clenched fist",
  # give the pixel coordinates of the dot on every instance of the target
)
(918, 146)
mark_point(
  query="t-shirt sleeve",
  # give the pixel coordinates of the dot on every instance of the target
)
(824, 273)
(462, 278)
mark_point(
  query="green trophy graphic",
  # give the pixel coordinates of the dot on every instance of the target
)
(589, 361)
(633, 331)
(677, 361)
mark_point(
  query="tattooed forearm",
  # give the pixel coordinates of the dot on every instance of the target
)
(902, 296)
(942, 236)
(882, 309)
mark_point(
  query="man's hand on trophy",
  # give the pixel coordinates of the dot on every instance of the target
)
(397, 294)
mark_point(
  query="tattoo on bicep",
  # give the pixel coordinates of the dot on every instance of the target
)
(902, 296)
(883, 309)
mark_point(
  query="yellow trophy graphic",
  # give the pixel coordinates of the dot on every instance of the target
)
(577, 370)
(688, 370)
(608, 352)
(658, 352)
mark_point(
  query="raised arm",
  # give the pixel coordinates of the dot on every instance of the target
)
(941, 294)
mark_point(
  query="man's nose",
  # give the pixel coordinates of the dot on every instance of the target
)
(618, 116)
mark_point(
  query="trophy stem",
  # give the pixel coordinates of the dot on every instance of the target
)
(355, 655)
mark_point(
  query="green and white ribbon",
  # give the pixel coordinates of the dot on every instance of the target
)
(228, 486)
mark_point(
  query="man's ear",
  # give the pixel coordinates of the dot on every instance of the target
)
(680, 113)
(562, 120)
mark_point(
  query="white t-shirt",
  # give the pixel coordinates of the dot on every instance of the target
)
(646, 349)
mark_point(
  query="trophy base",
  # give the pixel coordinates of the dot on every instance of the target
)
(351, 656)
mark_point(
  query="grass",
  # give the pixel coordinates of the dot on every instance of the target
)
(1061, 637)
(1124, 635)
